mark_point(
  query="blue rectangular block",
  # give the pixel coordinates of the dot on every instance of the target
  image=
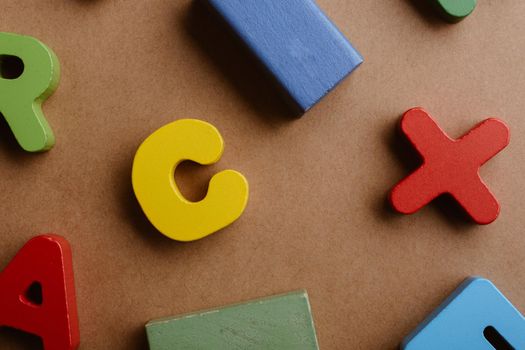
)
(475, 317)
(295, 41)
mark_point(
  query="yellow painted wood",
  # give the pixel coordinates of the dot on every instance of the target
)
(161, 200)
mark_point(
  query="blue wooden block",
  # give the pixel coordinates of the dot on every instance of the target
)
(472, 318)
(296, 42)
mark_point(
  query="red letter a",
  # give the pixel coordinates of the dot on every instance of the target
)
(45, 261)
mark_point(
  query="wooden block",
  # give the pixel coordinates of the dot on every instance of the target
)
(37, 293)
(296, 42)
(476, 316)
(455, 10)
(450, 166)
(29, 74)
(279, 322)
(161, 200)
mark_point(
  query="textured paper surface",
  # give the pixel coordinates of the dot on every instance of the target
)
(317, 217)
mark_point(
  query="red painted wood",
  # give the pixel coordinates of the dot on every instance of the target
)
(450, 166)
(46, 260)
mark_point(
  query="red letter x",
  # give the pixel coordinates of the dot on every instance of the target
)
(450, 166)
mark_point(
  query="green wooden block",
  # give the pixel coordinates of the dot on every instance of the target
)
(456, 10)
(282, 322)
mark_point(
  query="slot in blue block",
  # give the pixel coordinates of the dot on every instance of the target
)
(475, 317)
(295, 41)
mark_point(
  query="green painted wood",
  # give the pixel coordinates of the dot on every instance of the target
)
(456, 10)
(281, 322)
(23, 91)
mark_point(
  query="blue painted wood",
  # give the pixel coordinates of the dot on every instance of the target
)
(295, 41)
(459, 323)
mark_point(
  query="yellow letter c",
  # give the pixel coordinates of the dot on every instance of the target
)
(161, 200)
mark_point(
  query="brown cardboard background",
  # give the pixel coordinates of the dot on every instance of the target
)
(317, 217)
